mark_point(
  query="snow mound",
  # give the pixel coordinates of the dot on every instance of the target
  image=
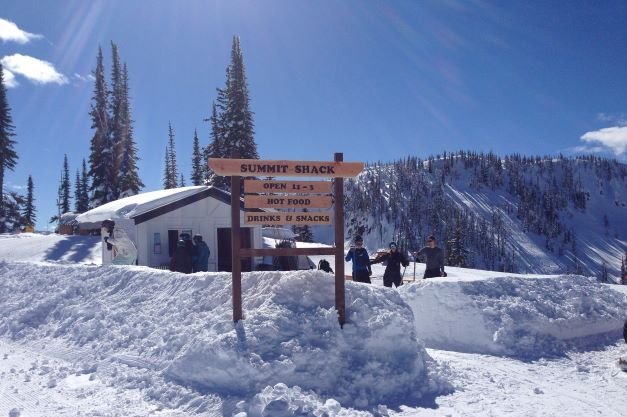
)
(173, 335)
(520, 317)
(291, 335)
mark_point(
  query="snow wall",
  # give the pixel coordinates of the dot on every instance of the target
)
(514, 316)
(180, 328)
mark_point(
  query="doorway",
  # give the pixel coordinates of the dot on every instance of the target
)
(224, 248)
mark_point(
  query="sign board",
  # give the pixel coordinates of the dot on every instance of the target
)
(286, 187)
(279, 219)
(287, 194)
(281, 168)
(287, 201)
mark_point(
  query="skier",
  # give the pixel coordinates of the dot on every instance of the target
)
(121, 248)
(201, 254)
(435, 259)
(394, 260)
(181, 260)
(361, 262)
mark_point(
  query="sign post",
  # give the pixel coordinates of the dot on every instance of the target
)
(273, 194)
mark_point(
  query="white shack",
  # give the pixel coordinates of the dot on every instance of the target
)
(154, 221)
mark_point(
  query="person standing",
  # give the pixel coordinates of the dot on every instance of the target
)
(394, 259)
(201, 255)
(361, 262)
(181, 260)
(122, 248)
(434, 259)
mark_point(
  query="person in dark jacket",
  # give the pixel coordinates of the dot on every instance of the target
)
(434, 259)
(201, 255)
(189, 245)
(181, 260)
(394, 260)
(361, 261)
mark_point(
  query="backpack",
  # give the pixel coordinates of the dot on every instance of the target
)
(324, 265)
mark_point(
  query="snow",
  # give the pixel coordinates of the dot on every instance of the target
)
(135, 205)
(89, 340)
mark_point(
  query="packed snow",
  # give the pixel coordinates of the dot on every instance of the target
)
(88, 340)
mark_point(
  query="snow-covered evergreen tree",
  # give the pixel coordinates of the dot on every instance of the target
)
(29, 214)
(8, 156)
(13, 219)
(101, 167)
(197, 176)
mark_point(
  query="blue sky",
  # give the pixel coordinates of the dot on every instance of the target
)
(377, 80)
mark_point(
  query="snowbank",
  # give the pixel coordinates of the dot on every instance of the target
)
(34, 247)
(522, 317)
(174, 333)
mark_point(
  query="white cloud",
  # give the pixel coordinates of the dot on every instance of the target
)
(614, 138)
(36, 70)
(9, 79)
(619, 119)
(9, 32)
(84, 78)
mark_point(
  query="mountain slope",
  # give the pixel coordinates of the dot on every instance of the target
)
(517, 214)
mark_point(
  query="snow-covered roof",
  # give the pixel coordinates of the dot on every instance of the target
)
(129, 207)
(68, 218)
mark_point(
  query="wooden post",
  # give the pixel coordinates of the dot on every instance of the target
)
(236, 265)
(338, 193)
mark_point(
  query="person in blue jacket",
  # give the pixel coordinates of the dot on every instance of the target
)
(201, 255)
(361, 261)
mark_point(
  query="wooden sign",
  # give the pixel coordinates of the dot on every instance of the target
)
(281, 168)
(286, 187)
(278, 219)
(285, 201)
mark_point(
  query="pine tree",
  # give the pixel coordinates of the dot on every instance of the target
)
(77, 192)
(604, 274)
(116, 125)
(101, 150)
(83, 199)
(197, 169)
(238, 118)
(8, 156)
(29, 209)
(127, 180)
(13, 219)
(182, 181)
(232, 120)
(171, 166)
(167, 176)
(215, 149)
(65, 186)
(623, 270)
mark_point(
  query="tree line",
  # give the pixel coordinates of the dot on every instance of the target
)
(111, 170)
